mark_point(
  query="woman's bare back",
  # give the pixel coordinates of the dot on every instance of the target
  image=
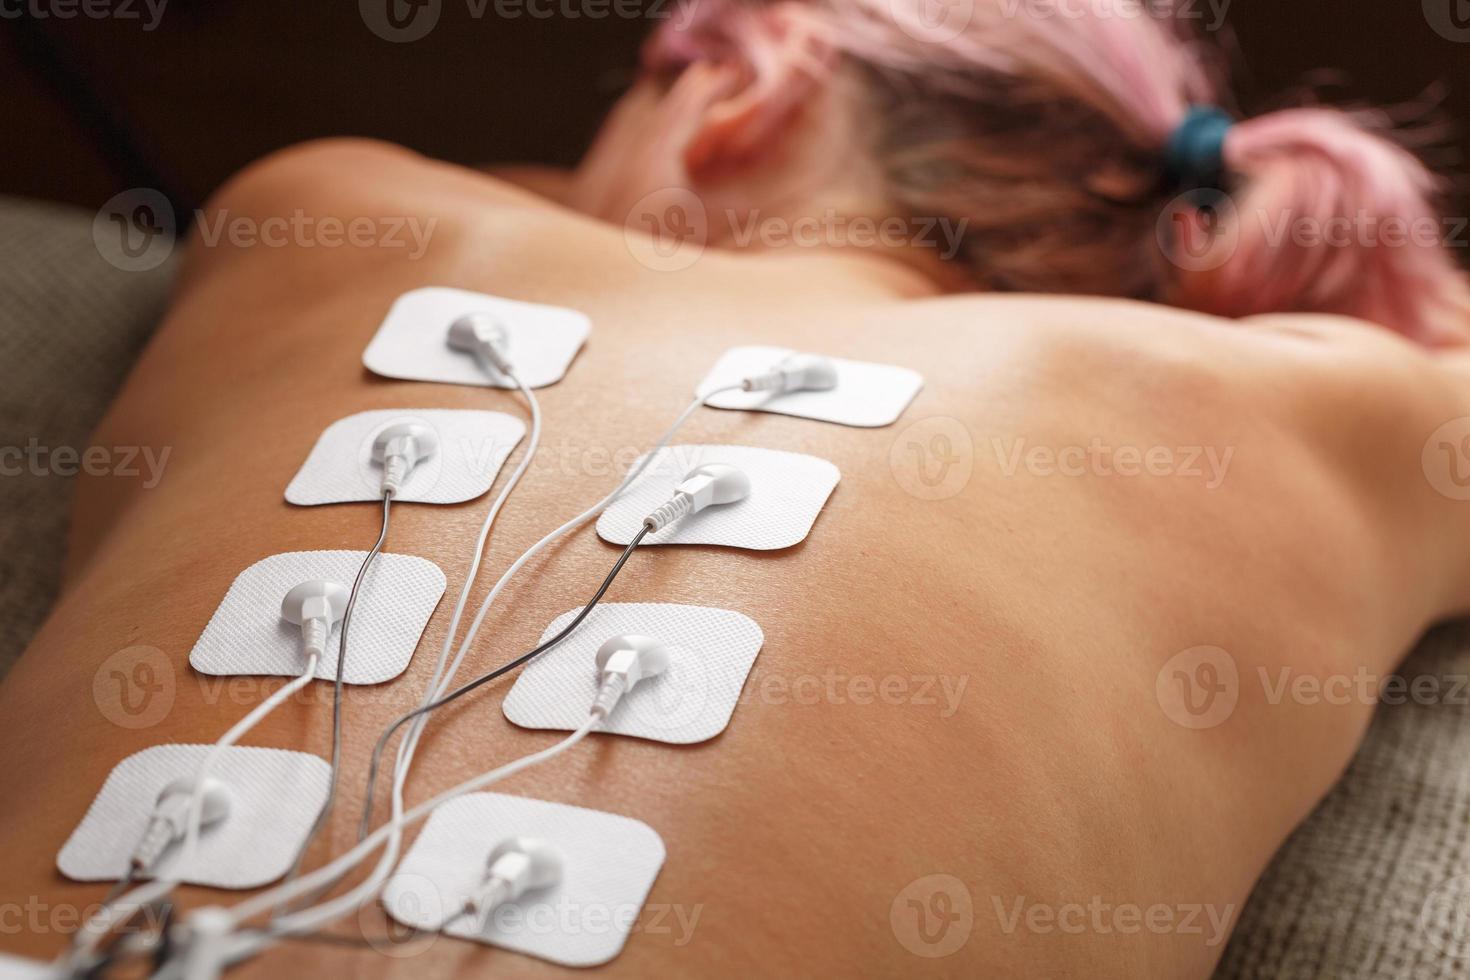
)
(977, 722)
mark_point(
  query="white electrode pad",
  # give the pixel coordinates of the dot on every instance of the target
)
(473, 445)
(246, 634)
(274, 798)
(411, 344)
(608, 866)
(711, 653)
(787, 491)
(867, 394)
(19, 968)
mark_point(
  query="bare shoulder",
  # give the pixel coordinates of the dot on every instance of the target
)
(1299, 369)
(342, 167)
(340, 207)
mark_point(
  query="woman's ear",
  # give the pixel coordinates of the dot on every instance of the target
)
(783, 64)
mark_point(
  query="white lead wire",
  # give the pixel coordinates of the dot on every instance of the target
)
(364, 892)
(102, 921)
(409, 744)
(320, 915)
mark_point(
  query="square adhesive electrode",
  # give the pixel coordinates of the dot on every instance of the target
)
(472, 447)
(711, 652)
(787, 492)
(412, 342)
(246, 635)
(608, 861)
(274, 799)
(867, 395)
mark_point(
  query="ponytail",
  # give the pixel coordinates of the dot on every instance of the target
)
(1327, 214)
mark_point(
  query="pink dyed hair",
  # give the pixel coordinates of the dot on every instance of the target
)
(1045, 127)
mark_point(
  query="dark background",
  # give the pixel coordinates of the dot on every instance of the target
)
(93, 106)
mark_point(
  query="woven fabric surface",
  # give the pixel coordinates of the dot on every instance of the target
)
(1376, 884)
(70, 326)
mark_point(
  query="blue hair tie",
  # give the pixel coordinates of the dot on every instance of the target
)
(1195, 156)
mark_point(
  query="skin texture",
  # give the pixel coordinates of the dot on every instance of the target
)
(1054, 779)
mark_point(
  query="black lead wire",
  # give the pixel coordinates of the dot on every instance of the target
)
(502, 670)
(367, 806)
(325, 811)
